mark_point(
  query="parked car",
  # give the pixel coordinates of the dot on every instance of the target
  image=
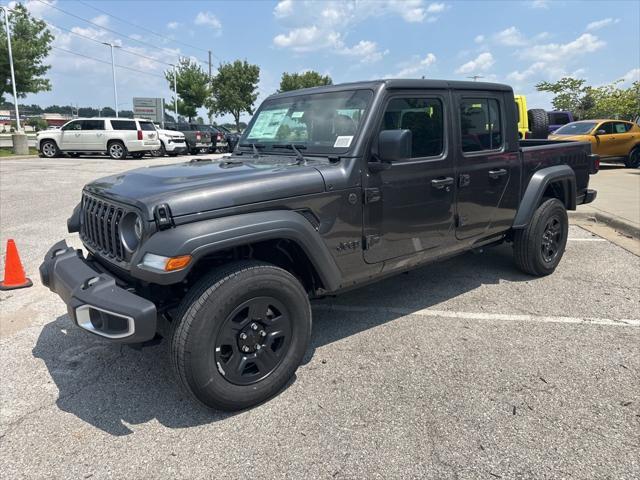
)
(198, 140)
(532, 123)
(218, 140)
(611, 139)
(330, 188)
(116, 137)
(231, 137)
(172, 143)
(558, 118)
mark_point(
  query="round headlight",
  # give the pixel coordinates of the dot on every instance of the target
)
(131, 229)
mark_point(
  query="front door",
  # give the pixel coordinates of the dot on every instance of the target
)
(71, 135)
(409, 207)
(488, 182)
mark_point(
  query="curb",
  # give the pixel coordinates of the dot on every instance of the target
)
(612, 221)
(19, 157)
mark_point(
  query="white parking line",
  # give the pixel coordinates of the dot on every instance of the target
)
(586, 239)
(427, 312)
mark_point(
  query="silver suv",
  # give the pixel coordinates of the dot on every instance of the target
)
(116, 137)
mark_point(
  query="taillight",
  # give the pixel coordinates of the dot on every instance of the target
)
(139, 134)
(198, 136)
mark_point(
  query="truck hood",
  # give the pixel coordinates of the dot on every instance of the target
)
(203, 185)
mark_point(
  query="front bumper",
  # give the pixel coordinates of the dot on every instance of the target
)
(94, 301)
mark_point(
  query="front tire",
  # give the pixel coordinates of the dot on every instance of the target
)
(240, 334)
(49, 149)
(117, 150)
(539, 247)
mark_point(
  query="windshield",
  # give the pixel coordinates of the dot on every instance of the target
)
(319, 123)
(578, 128)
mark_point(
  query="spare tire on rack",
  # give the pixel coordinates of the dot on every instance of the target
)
(538, 123)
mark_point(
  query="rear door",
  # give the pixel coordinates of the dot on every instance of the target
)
(409, 207)
(625, 138)
(488, 174)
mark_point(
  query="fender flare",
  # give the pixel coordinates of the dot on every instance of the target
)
(536, 188)
(209, 236)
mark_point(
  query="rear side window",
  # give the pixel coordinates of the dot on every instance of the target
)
(480, 124)
(621, 127)
(92, 124)
(147, 127)
(123, 125)
(423, 116)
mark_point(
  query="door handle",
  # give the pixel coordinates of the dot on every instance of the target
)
(501, 172)
(440, 183)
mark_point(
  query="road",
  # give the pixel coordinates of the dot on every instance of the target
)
(462, 369)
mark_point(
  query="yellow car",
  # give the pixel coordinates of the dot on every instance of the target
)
(609, 138)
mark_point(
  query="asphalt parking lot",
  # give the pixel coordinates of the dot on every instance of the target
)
(462, 369)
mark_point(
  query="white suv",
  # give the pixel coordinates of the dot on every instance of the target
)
(172, 143)
(117, 137)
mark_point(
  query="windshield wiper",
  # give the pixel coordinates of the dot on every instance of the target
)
(254, 147)
(300, 159)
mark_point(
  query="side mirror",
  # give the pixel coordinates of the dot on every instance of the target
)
(393, 146)
(601, 132)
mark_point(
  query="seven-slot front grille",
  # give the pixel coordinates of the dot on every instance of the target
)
(101, 226)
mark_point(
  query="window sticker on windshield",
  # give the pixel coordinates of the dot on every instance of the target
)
(267, 124)
(297, 114)
(343, 141)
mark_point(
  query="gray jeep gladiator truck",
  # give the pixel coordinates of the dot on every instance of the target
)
(330, 188)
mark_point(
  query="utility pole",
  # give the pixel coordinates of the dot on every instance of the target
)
(175, 90)
(113, 71)
(210, 116)
(13, 75)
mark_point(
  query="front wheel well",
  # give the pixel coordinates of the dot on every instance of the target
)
(284, 253)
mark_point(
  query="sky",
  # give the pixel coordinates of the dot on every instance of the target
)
(516, 42)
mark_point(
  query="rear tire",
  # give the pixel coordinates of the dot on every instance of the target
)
(538, 123)
(49, 149)
(117, 150)
(633, 160)
(240, 334)
(539, 247)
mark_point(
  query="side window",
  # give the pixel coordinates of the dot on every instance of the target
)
(423, 116)
(92, 124)
(621, 127)
(72, 126)
(607, 127)
(147, 127)
(480, 124)
(123, 124)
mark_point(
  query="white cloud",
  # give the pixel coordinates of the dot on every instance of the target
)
(510, 37)
(518, 76)
(631, 76)
(365, 50)
(562, 53)
(207, 19)
(102, 20)
(479, 39)
(173, 25)
(541, 4)
(605, 22)
(314, 25)
(416, 66)
(481, 63)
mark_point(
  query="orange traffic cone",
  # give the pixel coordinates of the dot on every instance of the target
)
(14, 276)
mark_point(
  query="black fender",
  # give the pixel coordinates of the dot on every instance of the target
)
(536, 188)
(202, 238)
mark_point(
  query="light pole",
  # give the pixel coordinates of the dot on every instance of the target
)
(113, 71)
(175, 90)
(13, 75)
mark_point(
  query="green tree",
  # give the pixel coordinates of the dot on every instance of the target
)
(193, 87)
(37, 123)
(31, 43)
(310, 78)
(570, 94)
(613, 101)
(234, 90)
